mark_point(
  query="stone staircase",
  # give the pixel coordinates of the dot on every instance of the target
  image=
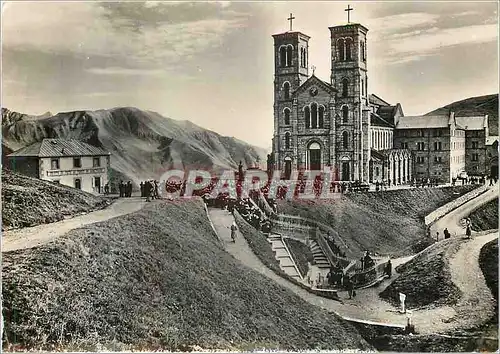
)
(320, 259)
(283, 256)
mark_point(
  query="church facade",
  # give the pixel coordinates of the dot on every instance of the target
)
(338, 126)
(333, 124)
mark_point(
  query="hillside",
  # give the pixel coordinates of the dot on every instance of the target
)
(389, 222)
(155, 279)
(485, 217)
(475, 106)
(143, 144)
(426, 279)
(28, 201)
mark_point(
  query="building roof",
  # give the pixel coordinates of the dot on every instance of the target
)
(376, 120)
(472, 123)
(422, 122)
(374, 99)
(491, 139)
(59, 148)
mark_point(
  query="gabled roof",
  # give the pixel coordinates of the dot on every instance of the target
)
(491, 139)
(473, 123)
(422, 122)
(313, 80)
(374, 99)
(59, 148)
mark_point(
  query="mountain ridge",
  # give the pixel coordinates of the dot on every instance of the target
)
(478, 105)
(144, 144)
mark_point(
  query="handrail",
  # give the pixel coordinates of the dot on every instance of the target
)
(325, 247)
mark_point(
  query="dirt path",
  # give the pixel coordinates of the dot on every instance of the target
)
(368, 306)
(452, 220)
(41, 234)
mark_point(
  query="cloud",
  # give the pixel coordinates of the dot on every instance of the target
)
(125, 71)
(140, 34)
(402, 21)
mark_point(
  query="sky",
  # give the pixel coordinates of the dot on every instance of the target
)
(212, 62)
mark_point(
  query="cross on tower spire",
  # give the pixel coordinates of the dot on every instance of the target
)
(291, 18)
(349, 9)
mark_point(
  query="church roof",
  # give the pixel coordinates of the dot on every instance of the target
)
(374, 99)
(314, 80)
(290, 34)
(422, 122)
(59, 148)
(473, 123)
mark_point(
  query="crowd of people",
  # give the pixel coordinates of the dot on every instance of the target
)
(125, 189)
(149, 190)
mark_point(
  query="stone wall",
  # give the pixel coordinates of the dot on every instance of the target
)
(440, 212)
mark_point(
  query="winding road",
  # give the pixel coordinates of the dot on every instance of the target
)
(368, 307)
(41, 234)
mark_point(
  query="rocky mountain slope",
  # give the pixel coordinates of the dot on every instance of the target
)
(143, 144)
(474, 106)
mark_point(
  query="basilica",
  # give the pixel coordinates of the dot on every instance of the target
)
(337, 125)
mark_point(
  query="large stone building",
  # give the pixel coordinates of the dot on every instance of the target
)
(336, 124)
(69, 162)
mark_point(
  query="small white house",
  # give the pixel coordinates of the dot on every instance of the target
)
(69, 162)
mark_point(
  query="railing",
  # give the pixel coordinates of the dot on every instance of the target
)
(325, 247)
(367, 277)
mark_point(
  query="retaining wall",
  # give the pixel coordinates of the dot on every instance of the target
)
(445, 209)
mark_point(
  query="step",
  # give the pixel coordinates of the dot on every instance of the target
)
(291, 271)
(277, 244)
(281, 252)
(286, 262)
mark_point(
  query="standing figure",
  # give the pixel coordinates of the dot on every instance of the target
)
(121, 188)
(233, 231)
(142, 188)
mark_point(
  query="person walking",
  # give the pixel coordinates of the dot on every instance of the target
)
(388, 268)
(233, 231)
(348, 285)
(446, 234)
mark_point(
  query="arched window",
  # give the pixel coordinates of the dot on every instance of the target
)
(345, 140)
(314, 115)
(341, 47)
(362, 87)
(345, 114)
(303, 57)
(282, 57)
(287, 140)
(348, 46)
(307, 116)
(321, 114)
(287, 116)
(286, 90)
(345, 85)
(289, 50)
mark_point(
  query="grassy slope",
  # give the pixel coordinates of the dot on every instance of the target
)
(301, 254)
(488, 261)
(426, 278)
(155, 278)
(28, 201)
(389, 222)
(485, 217)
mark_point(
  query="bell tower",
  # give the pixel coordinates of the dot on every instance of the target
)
(349, 77)
(290, 71)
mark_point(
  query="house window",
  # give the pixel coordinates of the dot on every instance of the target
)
(422, 132)
(96, 162)
(475, 144)
(475, 157)
(77, 162)
(420, 146)
(78, 183)
(54, 164)
(438, 145)
(420, 159)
